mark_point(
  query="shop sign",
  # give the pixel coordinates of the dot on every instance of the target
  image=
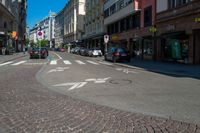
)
(14, 34)
(153, 29)
(197, 19)
(115, 38)
(171, 27)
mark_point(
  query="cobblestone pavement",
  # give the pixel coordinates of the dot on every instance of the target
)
(27, 106)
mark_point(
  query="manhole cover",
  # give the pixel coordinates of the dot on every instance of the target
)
(120, 81)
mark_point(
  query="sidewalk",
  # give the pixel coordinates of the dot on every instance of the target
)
(5, 58)
(172, 69)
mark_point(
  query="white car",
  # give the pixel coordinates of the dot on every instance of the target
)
(95, 53)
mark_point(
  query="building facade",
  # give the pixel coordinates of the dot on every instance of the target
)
(93, 24)
(59, 29)
(128, 24)
(12, 24)
(47, 27)
(74, 21)
(178, 31)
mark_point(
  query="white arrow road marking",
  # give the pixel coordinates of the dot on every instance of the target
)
(87, 80)
(94, 63)
(98, 81)
(105, 63)
(119, 69)
(53, 62)
(58, 69)
(82, 84)
(126, 70)
(3, 64)
(18, 63)
(74, 85)
(67, 62)
(80, 62)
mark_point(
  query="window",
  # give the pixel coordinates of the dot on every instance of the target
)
(116, 27)
(175, 3)
(136, 20)
(120, 4)
(148, 16)
(106, 13)
(113, 9)
(122, 23)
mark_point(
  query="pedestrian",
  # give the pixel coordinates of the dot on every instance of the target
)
(24, 50)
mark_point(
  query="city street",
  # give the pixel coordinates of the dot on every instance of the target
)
(72, 93)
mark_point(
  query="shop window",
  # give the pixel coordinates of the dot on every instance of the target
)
(177, 50)
(148, 47)
(148, 16)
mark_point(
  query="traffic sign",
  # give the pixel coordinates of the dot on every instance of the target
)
(106, 38)
(39, 35)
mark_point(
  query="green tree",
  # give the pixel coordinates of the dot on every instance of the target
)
(43, 43)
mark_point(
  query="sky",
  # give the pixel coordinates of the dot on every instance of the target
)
(38, 9)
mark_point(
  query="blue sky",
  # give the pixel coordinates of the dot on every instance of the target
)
(38, 9)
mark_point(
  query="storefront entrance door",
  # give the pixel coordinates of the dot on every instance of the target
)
(197, 46)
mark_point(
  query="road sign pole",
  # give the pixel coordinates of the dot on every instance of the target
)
(40, 49)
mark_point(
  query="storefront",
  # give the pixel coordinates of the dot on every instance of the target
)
(175, 47)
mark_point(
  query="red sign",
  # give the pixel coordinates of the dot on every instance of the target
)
(39, 33)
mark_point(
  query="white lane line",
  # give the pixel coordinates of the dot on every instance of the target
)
(58, 56)
(53, 62)
(105, 63)
(3, 64)
(80, 62)
(18, 63)
(94, 63)
(67, 62)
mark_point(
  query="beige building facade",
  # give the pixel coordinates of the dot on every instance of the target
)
(93, 24)
(73, 21)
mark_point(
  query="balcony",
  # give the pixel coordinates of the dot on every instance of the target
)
(120, 14)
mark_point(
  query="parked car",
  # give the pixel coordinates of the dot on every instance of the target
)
(117, 54)
(84, 52)
(62, 50)
(77, 50)
(72, 50)
(94, 53)
(38, 52)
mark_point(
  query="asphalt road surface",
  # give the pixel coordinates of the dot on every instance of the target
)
(70, 93)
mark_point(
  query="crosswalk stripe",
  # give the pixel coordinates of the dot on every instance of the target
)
(67, 62)
(80, 62)
(3, 64)
(94, 63)
(18, 63)
(53, 62)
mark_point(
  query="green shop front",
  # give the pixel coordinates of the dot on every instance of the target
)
(175, 47)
